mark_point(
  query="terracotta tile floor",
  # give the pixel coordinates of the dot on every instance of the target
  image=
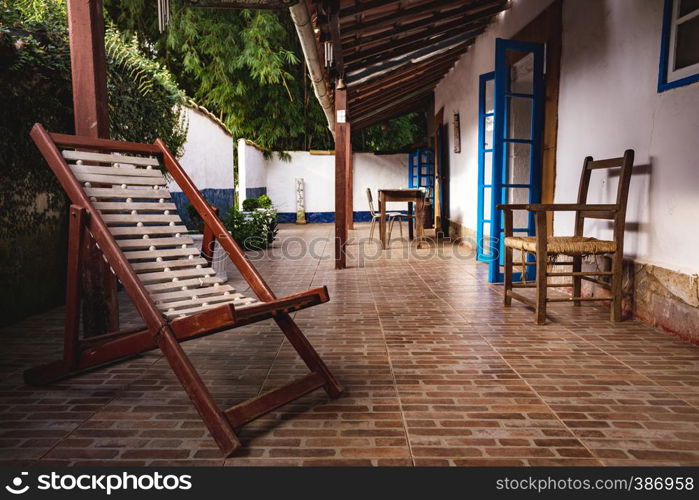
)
(437, 373)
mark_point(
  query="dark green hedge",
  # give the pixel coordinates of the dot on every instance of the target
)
(35, 87)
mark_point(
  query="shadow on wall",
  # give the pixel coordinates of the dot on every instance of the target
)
(639, 206)
(220, 198)
(586, 53)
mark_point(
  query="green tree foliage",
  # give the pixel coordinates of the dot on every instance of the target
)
(244, 65)
(247, 67)
(35, 86)
(394, 135)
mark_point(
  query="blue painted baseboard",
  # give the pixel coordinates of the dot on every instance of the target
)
(221, 198)
(315, 217)
(255, 192)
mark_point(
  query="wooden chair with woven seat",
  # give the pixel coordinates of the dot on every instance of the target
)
(120, 199)
(577, 246)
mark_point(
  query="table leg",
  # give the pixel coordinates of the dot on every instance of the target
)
(420, 221)
(411, 229)
(382, 220)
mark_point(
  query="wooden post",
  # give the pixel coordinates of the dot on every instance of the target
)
(89, 67)
(343, 151)
(89, 79)
(350, 179)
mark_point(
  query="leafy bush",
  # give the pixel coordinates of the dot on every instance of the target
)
(35, 86)
(253, 230)
(262, 201)
(250, 204)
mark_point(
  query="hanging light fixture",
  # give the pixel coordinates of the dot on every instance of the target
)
(163, 14)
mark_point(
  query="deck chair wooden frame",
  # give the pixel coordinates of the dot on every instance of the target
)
(164, 330)
(543, 246)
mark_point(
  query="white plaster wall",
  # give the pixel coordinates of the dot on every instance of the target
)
(251, 169)
(608, 103)
(318, 173)
(208, 154)
(378, 172)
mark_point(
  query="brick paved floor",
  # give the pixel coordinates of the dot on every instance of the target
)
(437, 373)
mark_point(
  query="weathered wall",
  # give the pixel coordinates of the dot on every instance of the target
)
(276, 177)
(608, 103)
(208, 160)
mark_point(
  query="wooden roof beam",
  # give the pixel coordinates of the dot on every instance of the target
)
(408, 101)
(395, 95)
(436, 56)
(390, 51)
(407, 73)
(408, 13)
(447, 22)
(454, 26)
(433, 11)
(427, 72)
(401, 109)
(334, 26)
(361, 8)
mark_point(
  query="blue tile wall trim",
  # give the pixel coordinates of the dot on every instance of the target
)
(221, 198)
(314, 217)
(255, 192)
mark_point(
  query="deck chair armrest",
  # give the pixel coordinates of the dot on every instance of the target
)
(558, 207)
(294, 302)
(229, 316)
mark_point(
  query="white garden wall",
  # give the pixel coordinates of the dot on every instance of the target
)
(318, 172)
(208, 153)
(608, 103)
(208, 160)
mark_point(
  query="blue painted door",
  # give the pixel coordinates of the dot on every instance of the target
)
(514, 174)
(486, 115)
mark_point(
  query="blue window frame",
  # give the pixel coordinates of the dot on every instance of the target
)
(421, 171)
(509, 149)
(679, 50)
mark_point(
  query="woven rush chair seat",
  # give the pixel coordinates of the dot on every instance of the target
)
(567, 245)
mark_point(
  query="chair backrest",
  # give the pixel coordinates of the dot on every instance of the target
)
(625, 164)
(370, 199)
(128, 192)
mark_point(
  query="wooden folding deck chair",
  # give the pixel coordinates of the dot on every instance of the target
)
(543, 246)
(119, 198)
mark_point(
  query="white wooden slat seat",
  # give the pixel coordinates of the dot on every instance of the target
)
(113, 158)
(132, 171)
(184, 251)
(181, 242)
(139, 193)
(171, 286)
(123, 178)
(200, 292)
(120, 206)
(136, 218)
(131, 195)
(152, 265)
